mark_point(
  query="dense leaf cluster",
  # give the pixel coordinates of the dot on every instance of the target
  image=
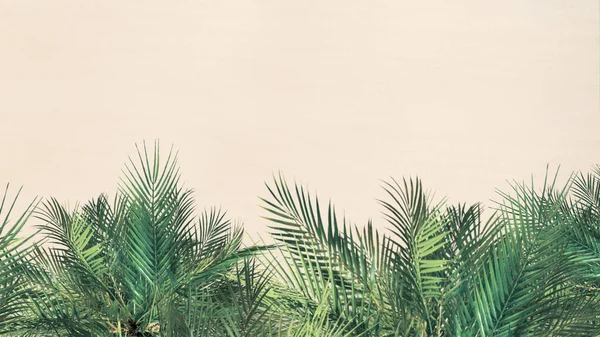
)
(143, 264)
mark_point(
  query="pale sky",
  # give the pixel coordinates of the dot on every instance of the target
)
(336, 94)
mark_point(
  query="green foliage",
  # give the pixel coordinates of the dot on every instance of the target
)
(13, 256)
(530, 270)
(142, 264)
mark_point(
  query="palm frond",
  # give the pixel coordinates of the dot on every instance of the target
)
(320, 251)
(13, 254)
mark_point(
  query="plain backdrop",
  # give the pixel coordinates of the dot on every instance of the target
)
(335, 94)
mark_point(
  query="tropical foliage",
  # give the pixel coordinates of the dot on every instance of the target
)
(142, 264)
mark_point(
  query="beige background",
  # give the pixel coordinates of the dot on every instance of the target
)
(337, 94)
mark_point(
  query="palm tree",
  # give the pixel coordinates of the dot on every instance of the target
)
(531, 270)
(142, 265)
(13, 255)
